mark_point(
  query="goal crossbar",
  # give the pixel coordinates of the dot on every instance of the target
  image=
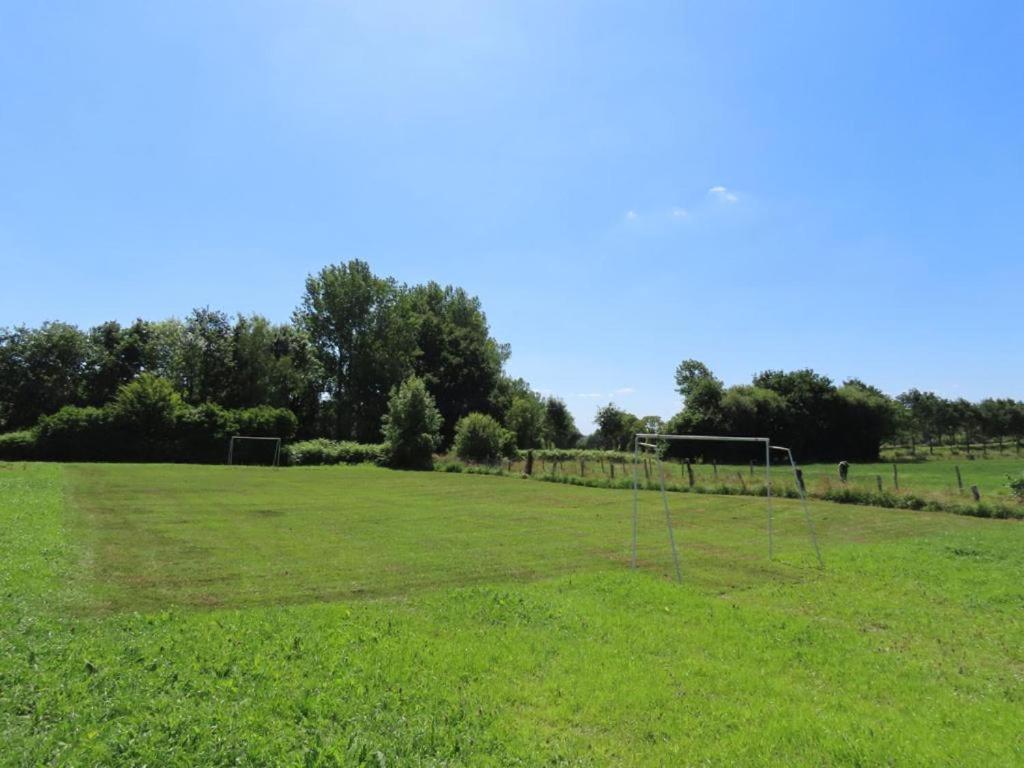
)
(642, 440)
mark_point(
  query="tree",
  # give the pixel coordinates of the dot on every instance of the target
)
(41, 370)
(615, 427)
(525, 419)
(996, 417)
(274, 365)
(559, 423)
(812, 404)
(921, 414)
(506, 391)
(753, 411)
(866, 416)
(455, 354)
(412, 426)
(651, 424)
(365, 339)
(480, 438)
(206, 356)
(691, 373)
(164, 354)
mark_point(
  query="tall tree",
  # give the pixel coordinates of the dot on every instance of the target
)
(41, 370)
(455, 354)
(116, 355)
(206, 353)
(365, 340)
(615, 427)
(275, 365)
(412, 426)
(560, 425)
(525, 420)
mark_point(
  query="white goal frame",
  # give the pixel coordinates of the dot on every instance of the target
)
(643, 440)
(277, 447)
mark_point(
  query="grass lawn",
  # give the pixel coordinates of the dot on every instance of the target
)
(186, 615)
(927, 478)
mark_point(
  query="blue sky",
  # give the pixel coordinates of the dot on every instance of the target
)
(757, 185)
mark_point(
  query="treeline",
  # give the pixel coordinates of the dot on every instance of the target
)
(808, 413)
(352, 340)
(925, 418)
(355, 338)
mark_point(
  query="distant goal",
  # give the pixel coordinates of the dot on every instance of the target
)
(246, 449)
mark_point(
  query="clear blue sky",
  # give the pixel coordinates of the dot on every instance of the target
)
(757, 185)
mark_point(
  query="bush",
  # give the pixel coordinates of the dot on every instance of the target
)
(202, 432)
(147, 406)
(265, 421)
(148, 422)
(18, 446)
(412, 426)
(321, 451)
(78, 433)
(481, 439)
(1017, 488)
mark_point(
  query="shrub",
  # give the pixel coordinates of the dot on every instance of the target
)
(202, 432)
(147, 406)
(412, 426)
(18, 446)
(78, 433)
(1017, 488)
(321, 451)
(265, 421)
(147, 421)
(479, 438)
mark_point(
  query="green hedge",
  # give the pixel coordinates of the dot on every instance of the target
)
(550, 455)
(197, 434)
(321, 451)
(18, 446)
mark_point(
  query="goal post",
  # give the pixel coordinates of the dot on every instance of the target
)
(236, 438)
(653, 441)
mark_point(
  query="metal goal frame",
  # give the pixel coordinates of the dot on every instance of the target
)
(643, 440)
(277, 447)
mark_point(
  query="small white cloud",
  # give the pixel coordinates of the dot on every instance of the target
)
(680, 213)
(624, 391)
(722, 194)
(631, 215)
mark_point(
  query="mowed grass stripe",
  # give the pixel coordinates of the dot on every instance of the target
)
(222, 536)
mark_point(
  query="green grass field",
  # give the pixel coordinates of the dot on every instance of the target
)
(186, 615)
(928, 478)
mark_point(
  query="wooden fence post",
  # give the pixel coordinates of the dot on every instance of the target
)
(689, 472)
(895, 476)
(878, 479)
(959, 480)
(975, 493)
(742, 483)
